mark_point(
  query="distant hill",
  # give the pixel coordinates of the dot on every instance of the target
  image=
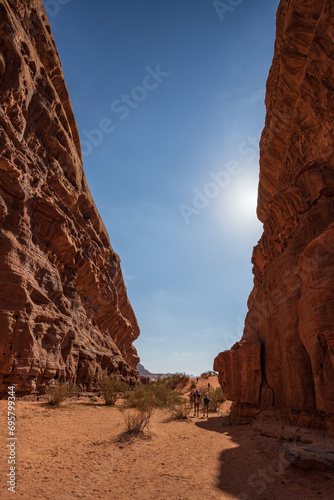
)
(154, 376)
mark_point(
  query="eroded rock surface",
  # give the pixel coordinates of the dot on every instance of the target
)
(285, 359)
(64, 311)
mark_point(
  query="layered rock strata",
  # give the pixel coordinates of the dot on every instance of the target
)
(64, 311)
(285, 359)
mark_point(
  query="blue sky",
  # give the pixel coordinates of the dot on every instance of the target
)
(169, 102)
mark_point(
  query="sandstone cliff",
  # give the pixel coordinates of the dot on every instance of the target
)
(64, 311)
(285, 359)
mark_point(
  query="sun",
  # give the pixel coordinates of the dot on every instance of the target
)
(238, 202)
(245, 201)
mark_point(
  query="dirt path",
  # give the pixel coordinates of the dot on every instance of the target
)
(74, 452)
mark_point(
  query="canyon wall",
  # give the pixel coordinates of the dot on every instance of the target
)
(285, 359)
(64, 311)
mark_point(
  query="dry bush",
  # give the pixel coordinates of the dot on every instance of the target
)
(58, 392)
(180, 412)
(137, 421)
(111, 388)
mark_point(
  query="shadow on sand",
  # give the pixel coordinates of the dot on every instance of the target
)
(254, 466)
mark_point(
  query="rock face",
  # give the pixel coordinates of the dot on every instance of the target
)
(285, 359)
(64, 311)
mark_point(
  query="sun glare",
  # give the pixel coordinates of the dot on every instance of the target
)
(237, 209)
(246, 201)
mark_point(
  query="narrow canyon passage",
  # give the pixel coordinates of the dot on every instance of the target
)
(75, 452)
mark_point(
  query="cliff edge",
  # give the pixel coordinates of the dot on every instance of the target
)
(64, 311)
(285, 359)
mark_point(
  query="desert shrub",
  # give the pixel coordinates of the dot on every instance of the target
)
(193, 384)
(57, 392)
(203, 389)
(74, 390)
(142, 397)
(176, 379)
(180, 411)
(216, 398)
(208, 374)
(137, 421)
(111, 388)
(156, 395)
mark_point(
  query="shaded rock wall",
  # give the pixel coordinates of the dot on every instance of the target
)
(285, 359)
(64, 310)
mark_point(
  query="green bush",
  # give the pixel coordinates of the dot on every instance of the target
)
(208, 374)
(203, 389)
(155, 395)
(111, 388)
(176, 379)
(58, 392)
(216, 397)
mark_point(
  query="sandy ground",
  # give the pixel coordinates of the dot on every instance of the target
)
(75, 451)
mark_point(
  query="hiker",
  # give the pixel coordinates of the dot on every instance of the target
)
(206, 402)
(197, 400)
(191, 399)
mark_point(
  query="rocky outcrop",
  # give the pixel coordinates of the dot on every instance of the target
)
(64, 311)
(285, 359)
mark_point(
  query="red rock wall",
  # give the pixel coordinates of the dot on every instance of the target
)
(285, 359)
(64, 310)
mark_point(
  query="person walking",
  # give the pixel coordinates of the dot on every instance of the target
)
(206, 402)
(191, 399)
(197, 401)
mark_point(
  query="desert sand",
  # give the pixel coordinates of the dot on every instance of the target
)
(77, 451)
